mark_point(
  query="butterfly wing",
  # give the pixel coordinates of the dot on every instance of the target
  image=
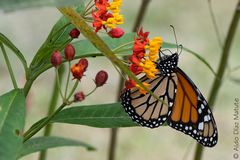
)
(191, 113)
(147, 110)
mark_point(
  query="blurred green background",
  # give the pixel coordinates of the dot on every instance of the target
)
(28, 29)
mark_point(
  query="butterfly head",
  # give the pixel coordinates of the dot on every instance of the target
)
(167, 64)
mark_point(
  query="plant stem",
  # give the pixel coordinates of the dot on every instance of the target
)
(141, 13)
(9, 66)
(113, 143)
(58, 84)
(44, 123)
(68, 77)
(91, 91)
(52, 107)
(73, 89)
(216, 29)
(114, 131)
(222, 66)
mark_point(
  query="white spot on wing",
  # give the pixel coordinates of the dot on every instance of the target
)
(199, 110)
(200, 126)
(206, 118)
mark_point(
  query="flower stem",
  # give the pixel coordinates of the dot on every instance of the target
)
(9, 66)
(58, 84)
(44, 123)
(91, 91)
(73, 89)
(216, 29)
(68, 77)
(221, 69)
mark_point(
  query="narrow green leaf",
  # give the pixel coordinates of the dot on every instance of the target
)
(85, 48)
(197, 55)
(43, 143)
(102, 116)
(15, 50)
(56, 40)
(12, 116)
(12, 5)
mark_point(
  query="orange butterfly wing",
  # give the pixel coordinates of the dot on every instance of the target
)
(191, 113)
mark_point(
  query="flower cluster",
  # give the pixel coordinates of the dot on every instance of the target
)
(78, 69)
(107, 15)
(144, 57)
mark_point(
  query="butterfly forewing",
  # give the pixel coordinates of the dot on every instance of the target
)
(191, 113)
(147, 110)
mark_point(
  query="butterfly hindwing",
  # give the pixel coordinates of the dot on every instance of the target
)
(147, 110)
(191, 113)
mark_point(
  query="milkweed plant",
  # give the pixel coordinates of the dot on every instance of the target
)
(89, 29)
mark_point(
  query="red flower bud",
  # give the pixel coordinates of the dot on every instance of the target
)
(116, 33)
(74, 33)
(69, 52)
(83, 62)
(56, 58)
(101, 78)
(79, 96)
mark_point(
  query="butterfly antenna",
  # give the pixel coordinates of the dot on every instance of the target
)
(175, 36)
(181, 47)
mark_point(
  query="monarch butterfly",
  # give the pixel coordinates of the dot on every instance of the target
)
(182, 105)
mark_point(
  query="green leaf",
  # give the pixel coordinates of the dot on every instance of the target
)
(56, 40)
(197, 55)
(102, 116)
(12, 5)
(12, 116)
(43, 143)
(15, 50)
(85, 48)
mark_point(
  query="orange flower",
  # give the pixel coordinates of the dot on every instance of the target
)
(79, 68)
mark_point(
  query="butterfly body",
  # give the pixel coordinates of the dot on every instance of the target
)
(181, 103)
(168, 64)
